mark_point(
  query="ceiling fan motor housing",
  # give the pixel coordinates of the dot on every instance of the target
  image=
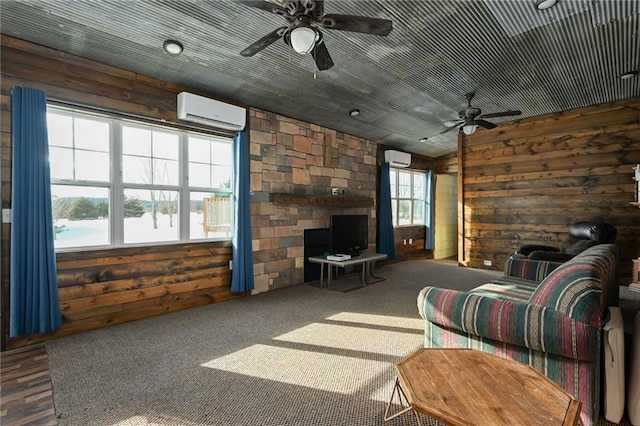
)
(470, 112)
(308, 8)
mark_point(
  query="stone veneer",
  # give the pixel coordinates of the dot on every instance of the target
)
(292, 156)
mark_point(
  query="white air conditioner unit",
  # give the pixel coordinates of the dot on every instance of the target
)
(210, 112)
(397, 158)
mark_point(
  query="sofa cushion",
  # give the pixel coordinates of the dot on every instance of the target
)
(575, 245)
(534, 270)
(508, 288)
(572, 289)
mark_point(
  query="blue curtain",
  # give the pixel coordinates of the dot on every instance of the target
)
(386, 240)
(430, 236)
(242, 273)
(34, 306)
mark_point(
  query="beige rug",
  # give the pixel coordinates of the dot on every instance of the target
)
(296, 356)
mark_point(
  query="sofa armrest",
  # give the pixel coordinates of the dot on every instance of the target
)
(525, 249)
(550, 256)
(523, 324)
(534, 270)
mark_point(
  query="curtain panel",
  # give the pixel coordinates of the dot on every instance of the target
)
(34, 304)
(242, 273)
(430, 231)
(386, 239)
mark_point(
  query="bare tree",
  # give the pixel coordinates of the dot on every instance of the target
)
(169, 205)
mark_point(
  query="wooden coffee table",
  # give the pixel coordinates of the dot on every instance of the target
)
(470, 387)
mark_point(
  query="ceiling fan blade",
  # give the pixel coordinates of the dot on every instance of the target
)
(264, 5)
(485, 124)
(263, 42)
(448, 129)
(358, 24)
(501, 114)
(321, 56)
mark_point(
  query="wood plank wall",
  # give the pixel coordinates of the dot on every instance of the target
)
(527, 181)
(104, 287)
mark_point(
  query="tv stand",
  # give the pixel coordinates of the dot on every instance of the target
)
(366, 259)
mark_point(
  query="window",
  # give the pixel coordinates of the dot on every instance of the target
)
(408, 197)
(116, 182)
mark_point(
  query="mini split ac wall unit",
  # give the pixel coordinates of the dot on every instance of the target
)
(210, 112)
(397, 158)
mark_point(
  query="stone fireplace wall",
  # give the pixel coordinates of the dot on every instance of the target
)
(294, 166)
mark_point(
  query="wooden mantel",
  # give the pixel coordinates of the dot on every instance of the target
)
(321, 200)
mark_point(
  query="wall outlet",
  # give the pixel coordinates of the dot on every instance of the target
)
(487, 263)
(6, 215)
(404, 242)
(334, 191)
(231, 265)
(410, 241)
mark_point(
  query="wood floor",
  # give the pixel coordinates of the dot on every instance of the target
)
(26, 396)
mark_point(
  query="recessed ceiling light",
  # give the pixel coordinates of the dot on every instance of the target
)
(628, 75)
(354, 112)
(423, 140)
(545, 4)
(172, 47)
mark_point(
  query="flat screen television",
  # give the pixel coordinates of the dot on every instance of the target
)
(349, 233)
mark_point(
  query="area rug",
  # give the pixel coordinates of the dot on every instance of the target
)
(297, 356)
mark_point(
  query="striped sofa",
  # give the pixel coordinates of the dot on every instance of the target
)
(546, 314)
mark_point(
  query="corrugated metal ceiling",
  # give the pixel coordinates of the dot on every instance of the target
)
(408, 85)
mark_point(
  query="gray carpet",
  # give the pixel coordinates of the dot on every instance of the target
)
(296, 356)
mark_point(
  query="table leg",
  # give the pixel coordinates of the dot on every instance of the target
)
(369, 275)
(371, 271)
(321, 275)
(329, 273)
(405, 407)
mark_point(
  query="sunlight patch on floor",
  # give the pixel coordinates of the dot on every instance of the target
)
(353, 338)
(159, 419)
(383, 320)
(332, 373)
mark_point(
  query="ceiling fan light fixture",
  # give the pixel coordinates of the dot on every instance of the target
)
(172, 47)
(423, 140)
(354, 112)
(303, 39)
(545, 4)
(469, 129)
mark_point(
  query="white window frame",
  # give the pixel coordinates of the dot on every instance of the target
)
(394, 173)
(116, 186)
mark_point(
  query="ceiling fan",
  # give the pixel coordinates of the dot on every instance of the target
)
(303, 35)
(471, 117)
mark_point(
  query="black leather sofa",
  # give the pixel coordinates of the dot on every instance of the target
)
(582, 235)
